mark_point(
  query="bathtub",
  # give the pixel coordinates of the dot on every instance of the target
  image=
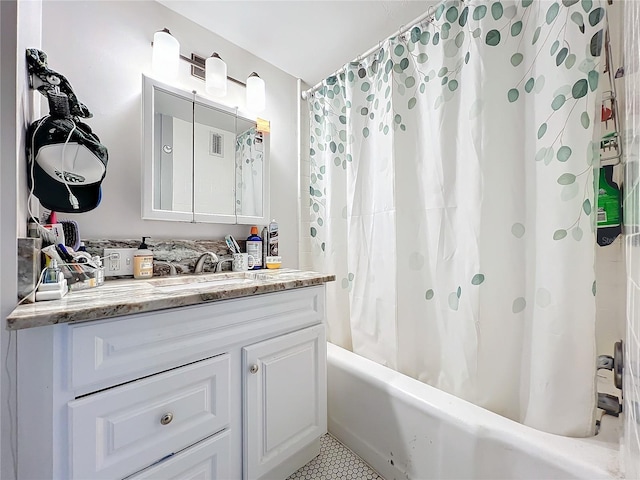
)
(406, 429)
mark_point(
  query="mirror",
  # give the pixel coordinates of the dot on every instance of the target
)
(203, 162)
(249, 151)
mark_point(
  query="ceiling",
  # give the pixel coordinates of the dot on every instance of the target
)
(307, 39)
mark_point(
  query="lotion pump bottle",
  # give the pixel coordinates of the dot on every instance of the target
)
(143, 261)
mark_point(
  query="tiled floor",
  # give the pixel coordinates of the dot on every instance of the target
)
(335, 462)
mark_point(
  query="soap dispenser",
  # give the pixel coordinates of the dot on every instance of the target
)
(143, 261)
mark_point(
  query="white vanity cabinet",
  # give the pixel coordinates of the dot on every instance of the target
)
(228, 390)
(284, 402)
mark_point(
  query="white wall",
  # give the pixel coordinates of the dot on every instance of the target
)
(17, 110)
(610, 296)
(103, 47)
(632, 155)
(8, 38)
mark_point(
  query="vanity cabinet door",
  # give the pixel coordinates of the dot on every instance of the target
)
(285, 406)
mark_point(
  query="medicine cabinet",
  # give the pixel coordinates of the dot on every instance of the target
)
(202, 161)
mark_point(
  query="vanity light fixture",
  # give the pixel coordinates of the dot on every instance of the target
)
(216, 76)
(213, 70)
(255, 93)
(166, 55)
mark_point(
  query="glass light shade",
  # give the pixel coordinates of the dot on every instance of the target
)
(216, 76)
(255, 93)
(166, 55)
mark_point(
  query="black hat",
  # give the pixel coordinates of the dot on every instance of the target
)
(67, 164)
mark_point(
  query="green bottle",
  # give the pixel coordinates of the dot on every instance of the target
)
(608, 213)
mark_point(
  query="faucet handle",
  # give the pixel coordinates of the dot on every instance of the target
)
(172, 268)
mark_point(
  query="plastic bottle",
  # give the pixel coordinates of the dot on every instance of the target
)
(143, 261)
(254, 247)
(52, 274)
(265, 245)
(99, 270)
(273, 239)
(608, 214)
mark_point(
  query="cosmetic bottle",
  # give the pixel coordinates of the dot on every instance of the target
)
(143, 261)
(265, 245)
(273, 239)
(52, 274)
(99, 270)
(254, 247)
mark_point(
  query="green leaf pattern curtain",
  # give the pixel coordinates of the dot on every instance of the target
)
(452, 195)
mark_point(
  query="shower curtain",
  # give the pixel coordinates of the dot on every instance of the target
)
(452, 195)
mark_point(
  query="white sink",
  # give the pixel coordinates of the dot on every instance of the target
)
(195, 285)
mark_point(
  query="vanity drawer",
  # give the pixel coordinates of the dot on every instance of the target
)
(120, 431)
(103, 354)
(208, 459)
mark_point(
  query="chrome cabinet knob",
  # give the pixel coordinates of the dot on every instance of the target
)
(254, 369)
(166, 418)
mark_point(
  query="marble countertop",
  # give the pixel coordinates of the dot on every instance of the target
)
(124, 297)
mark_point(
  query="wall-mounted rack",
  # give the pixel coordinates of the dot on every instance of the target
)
(610, 141)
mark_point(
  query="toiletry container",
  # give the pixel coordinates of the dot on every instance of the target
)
(143, 261)
(608, 213)
(99, 270)
(265, 245)
(274, 261)
(273, 239)
(52, 274)
(53, 285)
(254, 247)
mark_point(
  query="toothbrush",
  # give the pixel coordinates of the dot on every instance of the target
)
(230, 244)
(235, 244)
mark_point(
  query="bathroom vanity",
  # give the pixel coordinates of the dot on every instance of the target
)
(224, 378)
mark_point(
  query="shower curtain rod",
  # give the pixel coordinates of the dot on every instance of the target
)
(403, 29)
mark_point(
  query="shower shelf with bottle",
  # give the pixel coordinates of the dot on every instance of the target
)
(610, 141)
(609, 198)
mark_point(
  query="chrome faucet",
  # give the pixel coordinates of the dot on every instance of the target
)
(203, 258)
(221, 261)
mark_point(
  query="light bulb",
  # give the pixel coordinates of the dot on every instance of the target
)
(216, 76)
(166, 55)
(255, 93)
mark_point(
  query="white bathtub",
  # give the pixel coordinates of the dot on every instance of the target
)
(406, 429)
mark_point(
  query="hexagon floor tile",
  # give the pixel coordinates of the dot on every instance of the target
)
(335, 462)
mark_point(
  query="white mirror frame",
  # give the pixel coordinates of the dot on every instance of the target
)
(149, 86)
